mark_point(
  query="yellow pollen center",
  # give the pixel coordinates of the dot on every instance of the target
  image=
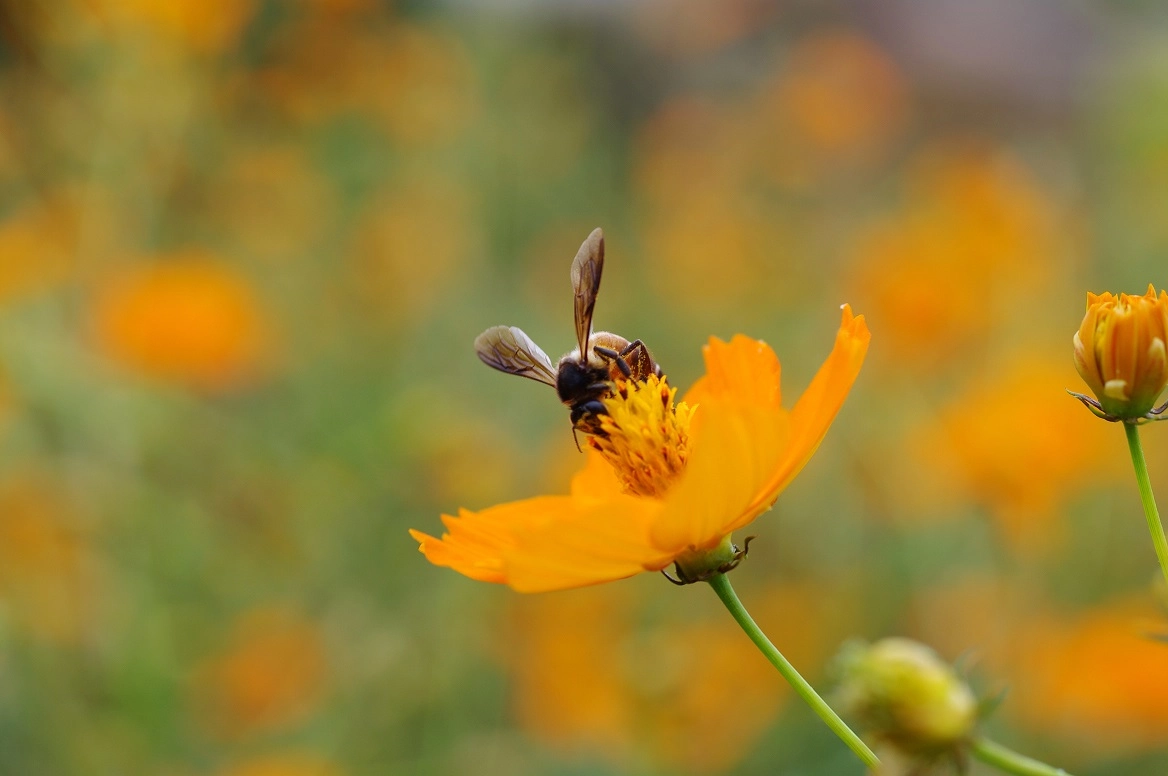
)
(645, 436)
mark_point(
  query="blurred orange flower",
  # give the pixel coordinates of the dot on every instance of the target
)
(929, 308)
(271, 676)
(204, 26)
(1101, 677)
(984, 446)
(589, 678)
(699, 28)
(681, 238)
(187, 318)
(694, 159)
(974, 234)
(38, 247)
(974, 613)
(839, 95)
(688, 146)
(340, 7)
(47, 581)
(745, 449)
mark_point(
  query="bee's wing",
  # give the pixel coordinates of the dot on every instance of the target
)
(509, 350)
(586, 269)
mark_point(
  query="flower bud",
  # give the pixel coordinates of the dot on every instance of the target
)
(1120, 351)
(906, 696)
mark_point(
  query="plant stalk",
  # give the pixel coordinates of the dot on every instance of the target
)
(721, 585)
(1155, 527)
(1009, 761)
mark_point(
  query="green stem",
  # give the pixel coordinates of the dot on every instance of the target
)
(721, 585)
(1010, 761)
(1150, 512)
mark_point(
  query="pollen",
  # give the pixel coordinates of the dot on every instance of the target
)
(645, 435)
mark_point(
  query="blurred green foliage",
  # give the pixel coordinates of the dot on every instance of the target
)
(245, 248)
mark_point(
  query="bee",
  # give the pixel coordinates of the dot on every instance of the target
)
(586, 375)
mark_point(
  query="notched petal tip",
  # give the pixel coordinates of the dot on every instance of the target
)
(1106, 296)
(463, 557)
(422, 539)
(744, 370)
(854, 325)
(819, 404)
(851, 322)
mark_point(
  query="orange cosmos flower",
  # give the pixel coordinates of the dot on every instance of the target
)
(272, 676)
(199, 26)
(668, 483)
(1024, 473)
(1098, 677)
(1120, 352)
(49, 574)
(840, 97)
(188, 318)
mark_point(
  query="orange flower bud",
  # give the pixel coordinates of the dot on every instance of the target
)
(1120, 351)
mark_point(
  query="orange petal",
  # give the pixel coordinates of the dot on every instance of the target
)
(595, 535)
(735, 448)
(816, 409)
(474, 542)
(602, 536)
(596, 481)
(739, 433)
(747, 448)
(597, 541)
(744, 370)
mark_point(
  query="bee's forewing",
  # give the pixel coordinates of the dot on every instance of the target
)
(586, 270)
(509, 350)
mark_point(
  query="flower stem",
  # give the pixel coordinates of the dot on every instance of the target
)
(721, 585)
(1145, 484)
(1010, 761)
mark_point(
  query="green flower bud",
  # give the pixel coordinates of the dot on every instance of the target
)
(906, 696)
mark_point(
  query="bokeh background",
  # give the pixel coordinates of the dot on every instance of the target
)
(245, 246)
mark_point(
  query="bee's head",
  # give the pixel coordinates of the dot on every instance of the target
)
(576, 381)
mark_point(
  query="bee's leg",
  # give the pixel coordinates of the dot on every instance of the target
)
(637, 356)
(634, 345)
(582, 418)
(619, 358)
(586, 408)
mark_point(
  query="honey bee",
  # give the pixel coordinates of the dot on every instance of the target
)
(585, 375)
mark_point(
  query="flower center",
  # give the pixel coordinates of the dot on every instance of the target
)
(645, 436)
